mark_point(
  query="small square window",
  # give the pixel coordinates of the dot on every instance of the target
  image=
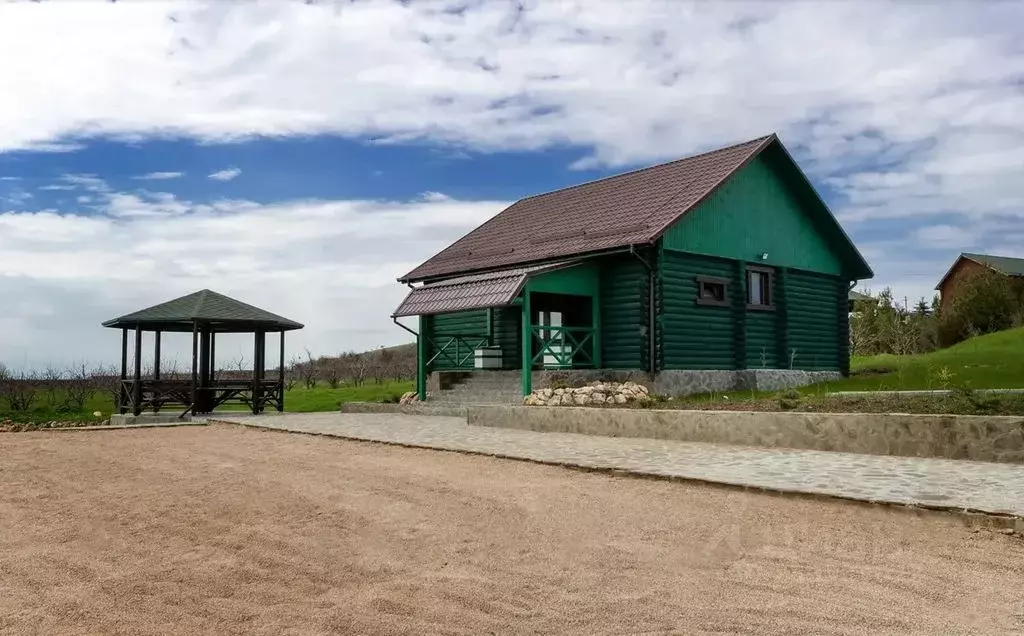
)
(759, 288)
(712, 291)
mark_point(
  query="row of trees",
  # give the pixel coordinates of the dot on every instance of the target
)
(379, 366)
(70, 390)
(989, 302)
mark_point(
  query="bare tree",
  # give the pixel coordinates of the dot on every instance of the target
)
(308, 371)
(79, 387)
(20, 392)
(331, 371)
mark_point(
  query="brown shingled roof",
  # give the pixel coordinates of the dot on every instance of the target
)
(627, 209)
(495, 289)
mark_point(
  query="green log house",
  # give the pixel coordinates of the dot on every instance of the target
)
(716, 265)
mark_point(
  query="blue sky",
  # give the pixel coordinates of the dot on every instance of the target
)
(301, 157)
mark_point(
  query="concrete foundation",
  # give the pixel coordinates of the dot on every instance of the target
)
(975, 437)
(680, 382)
(672, 382)
(147, 418)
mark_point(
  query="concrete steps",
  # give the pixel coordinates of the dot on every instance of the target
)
(484, 387)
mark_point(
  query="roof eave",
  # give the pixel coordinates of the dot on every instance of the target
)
(408, 279)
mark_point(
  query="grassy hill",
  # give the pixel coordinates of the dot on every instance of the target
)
(992, 361)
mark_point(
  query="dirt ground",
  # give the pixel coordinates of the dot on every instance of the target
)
(226, 530)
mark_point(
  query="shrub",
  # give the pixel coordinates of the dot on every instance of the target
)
(988, 302)
(789, 399)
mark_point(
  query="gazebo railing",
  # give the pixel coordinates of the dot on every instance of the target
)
(156, 394)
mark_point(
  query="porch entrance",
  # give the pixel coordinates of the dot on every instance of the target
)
(562, 329)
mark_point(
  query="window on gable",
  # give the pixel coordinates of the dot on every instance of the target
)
(712, 291)
(759, 288)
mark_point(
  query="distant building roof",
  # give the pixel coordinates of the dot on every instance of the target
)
(633, 208)
(1007, 265)
(856, 295)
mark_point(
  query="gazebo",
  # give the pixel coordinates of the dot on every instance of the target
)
(205, 314)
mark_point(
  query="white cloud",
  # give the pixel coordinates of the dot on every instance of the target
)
(225, 175)
(434, 196)
(909, 112)
(329, 264)
(159, 176)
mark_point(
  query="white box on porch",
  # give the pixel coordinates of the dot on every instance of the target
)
(487, 358)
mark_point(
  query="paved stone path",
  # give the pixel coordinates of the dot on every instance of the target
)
(933, 483)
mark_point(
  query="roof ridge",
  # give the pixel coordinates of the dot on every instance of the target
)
(650, 167)
(200, 299)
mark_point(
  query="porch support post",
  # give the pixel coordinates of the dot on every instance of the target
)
(122, 396)
(156, 355)
(421, 359)
(137, 387)
(280, 375)
(527, 345)
(595, 323)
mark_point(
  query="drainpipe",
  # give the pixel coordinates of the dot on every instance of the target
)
(651, 317)
(421, 371)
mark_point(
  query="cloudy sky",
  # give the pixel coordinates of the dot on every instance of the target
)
(301, 156)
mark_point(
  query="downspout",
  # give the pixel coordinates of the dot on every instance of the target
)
(651, 317)
(421, 371)
(395, 320)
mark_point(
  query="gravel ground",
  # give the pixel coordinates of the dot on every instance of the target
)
(225, 530)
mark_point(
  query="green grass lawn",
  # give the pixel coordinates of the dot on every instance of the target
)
(992, 361)
(297, 400)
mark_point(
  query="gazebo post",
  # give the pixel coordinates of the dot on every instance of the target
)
(257, 376)
(122, 396)
(156, 356)
(213, 354)
(137, 386)
(280, 376)
(195, 362)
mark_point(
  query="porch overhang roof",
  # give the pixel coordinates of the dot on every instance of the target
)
(480, 291)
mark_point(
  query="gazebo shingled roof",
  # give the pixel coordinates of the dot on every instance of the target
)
(227, 314)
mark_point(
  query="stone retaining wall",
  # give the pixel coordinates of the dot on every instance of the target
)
(982, 438)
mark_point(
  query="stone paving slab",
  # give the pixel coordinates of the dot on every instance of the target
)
(961, 485)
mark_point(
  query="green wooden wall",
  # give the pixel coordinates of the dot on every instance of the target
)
(806, 330)
(625, 312)
(757, 211)
(692, 336)
(507, 334)
(817, 337)
(580, 280)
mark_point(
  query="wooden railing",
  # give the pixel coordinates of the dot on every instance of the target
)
(455, 352)
(154, 395)
(565, 347)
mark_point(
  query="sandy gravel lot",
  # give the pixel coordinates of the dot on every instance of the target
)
(227, 530)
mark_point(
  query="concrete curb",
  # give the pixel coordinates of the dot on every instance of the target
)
(442, 410)
(972, 437)
(114, 427)
(978, 517)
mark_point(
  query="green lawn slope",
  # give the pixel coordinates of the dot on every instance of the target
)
(992, 361)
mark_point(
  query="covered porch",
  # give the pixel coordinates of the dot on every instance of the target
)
(542, 317)
(204, 315)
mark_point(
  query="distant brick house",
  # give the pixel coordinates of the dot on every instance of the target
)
(967, 266)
